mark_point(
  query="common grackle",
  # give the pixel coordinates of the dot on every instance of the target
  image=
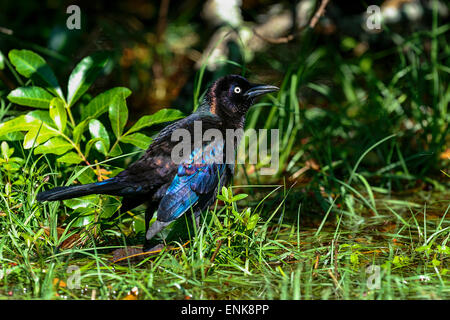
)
(173, 186)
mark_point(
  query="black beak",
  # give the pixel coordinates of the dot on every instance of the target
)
(259, 89)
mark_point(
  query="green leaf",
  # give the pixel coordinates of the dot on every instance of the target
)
(84, 75)
(58, 113)
(55, 145)
(84, 202)
(115, 151)
(118, 114)
(70, 157)
(82, 217)
(423, 248)
(225, 192)
(12, 136)
(93, 141)
(252, 222)
(20, 123)
(32, 65)
(31, 96)
(78, 131)
(38, 135)
(86, 176)
(97, 130)
(239, 197)
(41, 115)
(237, 216)
(5, 150)
(100, 103)
(110, 207)
(354, 257)
(138, 139)
(435, 262)
(221, 198)
(163, 115)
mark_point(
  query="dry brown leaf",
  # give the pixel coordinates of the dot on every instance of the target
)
(69, 242)
(311, 163)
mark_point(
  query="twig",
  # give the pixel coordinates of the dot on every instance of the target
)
(335, 281)
(274, 40)
(318, 13)
(316, 265)
(162, 19)
(219, 245)
(336, 246)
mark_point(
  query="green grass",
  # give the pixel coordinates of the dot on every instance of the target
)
(285, 256)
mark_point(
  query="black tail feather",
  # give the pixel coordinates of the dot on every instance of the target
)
(62, 193)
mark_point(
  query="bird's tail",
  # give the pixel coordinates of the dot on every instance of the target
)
(62, 193)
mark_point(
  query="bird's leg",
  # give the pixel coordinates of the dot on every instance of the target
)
(151, 231)
(151, 207)
(156, 227)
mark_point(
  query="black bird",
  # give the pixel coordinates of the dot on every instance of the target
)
(175, 187)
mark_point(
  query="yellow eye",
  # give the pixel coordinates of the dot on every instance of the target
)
(237, 90)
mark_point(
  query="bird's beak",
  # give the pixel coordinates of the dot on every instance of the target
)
(260, 89)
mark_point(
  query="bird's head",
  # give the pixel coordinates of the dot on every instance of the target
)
(232, 95)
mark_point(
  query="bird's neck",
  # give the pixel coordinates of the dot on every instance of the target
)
(230, 121)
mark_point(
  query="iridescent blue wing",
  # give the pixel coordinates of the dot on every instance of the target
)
(195, 180)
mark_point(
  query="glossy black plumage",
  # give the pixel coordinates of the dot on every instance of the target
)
(176, 188)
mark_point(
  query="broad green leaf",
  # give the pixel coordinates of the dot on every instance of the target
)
(31, 97)
(5, 150)
(58, 113)
(84, 202)
(118, 114)
(110, 207)
(251, 224)
(38, 135)
(163, 115)
(138, 139)
(82, 217)
(115, 151)
(32, 65)
(20, 123)
(86, 176)
(100, 103)
(84, 75)
(55, 145)
(41, 115)
(70, 157)
(78, 131)
(97, 130)
(12, 136)
(100, 145)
